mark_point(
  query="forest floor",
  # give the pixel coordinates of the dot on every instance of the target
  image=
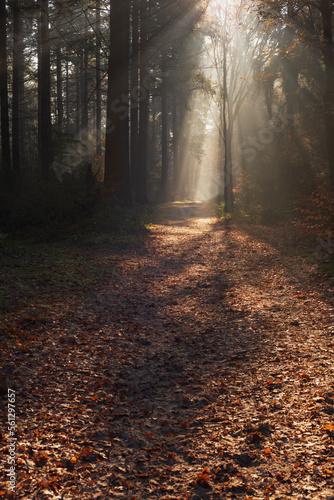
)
(198, 364)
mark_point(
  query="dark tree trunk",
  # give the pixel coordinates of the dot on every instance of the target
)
(67, 103)
(98, 80)
(154, 123)
(78, 91)
(175, 144)
(134, 87)
(164, 132)
(84, 87)
(60, 106)
(141, 171)
(228, 173)
(326, 7)
(290, 71)
(117, 164)
(18, 89)
(5, 138)
(152, 133)
(44, 83)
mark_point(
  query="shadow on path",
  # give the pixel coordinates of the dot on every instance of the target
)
(186, 376)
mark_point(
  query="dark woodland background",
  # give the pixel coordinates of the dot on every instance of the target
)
(108, 104)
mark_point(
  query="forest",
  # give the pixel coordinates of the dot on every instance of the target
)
(155, 101)
(166, 249)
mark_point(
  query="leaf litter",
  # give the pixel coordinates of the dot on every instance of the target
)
(198, 367)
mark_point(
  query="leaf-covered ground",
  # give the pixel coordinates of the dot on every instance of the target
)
(199, 365)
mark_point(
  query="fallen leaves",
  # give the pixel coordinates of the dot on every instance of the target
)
(203, 478)
(186, 379)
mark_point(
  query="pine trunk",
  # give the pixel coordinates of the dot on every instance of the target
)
(18, 89)
(327, 13)
(5, 137)
(60, 106)
(164, 132)
(117, 164)
(98, 80)
(44, 84)
(141, 172)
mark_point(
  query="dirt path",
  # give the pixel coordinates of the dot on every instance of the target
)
(201, 369)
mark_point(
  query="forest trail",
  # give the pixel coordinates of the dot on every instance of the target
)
(199, 368)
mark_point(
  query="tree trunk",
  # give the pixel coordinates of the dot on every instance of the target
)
(60, 107)
(98, 80)
(67, 103)
(228, 173)
(227, 125)
(134, 87)
(5, 138)
(84, 86)
(78, 91)
(44, 83)
(175, 144)
(164, 132)
(290, 71)
(117, 164)
(141, 171)
(326, 8)
(153, 146)
(18, 89)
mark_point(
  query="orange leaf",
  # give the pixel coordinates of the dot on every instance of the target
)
(267, 451)
(203, 477)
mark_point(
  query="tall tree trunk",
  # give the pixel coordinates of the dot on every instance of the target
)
(164, 131)
(175, 143)
(18, 89)
(67, 102)
(78, 91)
(227, 126)
(84, 86)
(134, 87)
(60, 106)
(5, 138)
(44, 84)
(153, 133)
(141, 171)
(228, 172)
(290, 71)
(98, 80)
(326, 7)
(117, 164)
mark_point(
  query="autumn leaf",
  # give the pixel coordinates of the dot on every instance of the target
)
(203, 478)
